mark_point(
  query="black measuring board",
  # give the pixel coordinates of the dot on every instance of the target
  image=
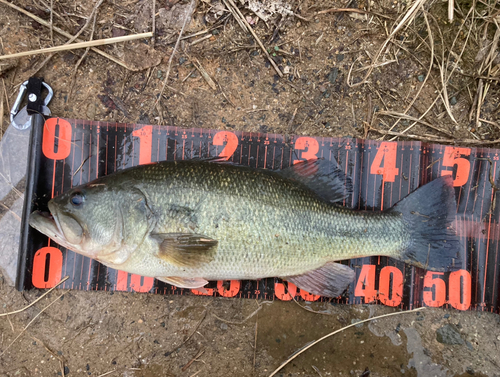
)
(74, 152)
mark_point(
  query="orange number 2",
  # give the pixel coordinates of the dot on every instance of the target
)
(309, 145)
(231, 141)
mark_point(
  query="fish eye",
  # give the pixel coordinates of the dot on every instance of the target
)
(77, 199)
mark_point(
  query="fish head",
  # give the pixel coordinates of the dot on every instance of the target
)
(95, 220)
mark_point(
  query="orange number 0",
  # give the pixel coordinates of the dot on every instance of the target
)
(47, 267)
(62, 141)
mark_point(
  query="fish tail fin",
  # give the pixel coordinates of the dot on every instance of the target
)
(429, 213)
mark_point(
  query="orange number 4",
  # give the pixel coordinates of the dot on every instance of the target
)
(387, 152)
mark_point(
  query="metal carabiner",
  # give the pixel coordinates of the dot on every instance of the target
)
(22, 92)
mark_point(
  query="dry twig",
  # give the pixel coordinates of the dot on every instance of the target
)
(407, 18)
(33, 320)
(250, 29)
(167, 73)
(38, 299)
(241, 322)
(67, 35)
(74, 46)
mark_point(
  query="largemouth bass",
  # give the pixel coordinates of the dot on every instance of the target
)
(189, 222)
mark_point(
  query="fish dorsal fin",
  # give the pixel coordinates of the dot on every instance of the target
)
(323, 177)
(329, 280)
(185, 249)
(190, 283)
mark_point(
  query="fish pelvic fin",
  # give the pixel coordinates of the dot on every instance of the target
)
(185, 249)
(428, 214)
(190, 283)
(329, 280)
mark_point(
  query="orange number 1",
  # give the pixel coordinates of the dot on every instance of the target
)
(145, 135)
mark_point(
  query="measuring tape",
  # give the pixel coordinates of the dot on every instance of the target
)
(74, 152)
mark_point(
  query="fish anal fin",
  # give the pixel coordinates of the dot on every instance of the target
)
(191, 283)
(329, 280)
(185, 249)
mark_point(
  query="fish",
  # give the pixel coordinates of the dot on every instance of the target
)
(189, 222)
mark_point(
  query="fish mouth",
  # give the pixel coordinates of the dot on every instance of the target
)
(50, 223)
(45, 223)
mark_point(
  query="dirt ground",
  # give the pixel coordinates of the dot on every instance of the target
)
(222, 80)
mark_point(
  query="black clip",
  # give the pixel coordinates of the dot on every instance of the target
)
(34, 92)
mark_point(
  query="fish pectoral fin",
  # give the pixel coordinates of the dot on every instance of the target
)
(190, 283)
(185, 249)
(329, 280)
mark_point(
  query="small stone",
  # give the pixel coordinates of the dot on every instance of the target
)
(340, 57)
(453, 101)
(469, 370)
(356, 320)
(448, 334)
(66, 370)
(223, 326)
(322, 88)
(215, 32)
(182, 60)
(421, 78)
(140, 321)
(469, 345)
(159, 74)
(162, 324)
(332, 76)
(446, 316)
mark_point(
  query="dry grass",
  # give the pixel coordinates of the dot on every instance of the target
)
(463, 59)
